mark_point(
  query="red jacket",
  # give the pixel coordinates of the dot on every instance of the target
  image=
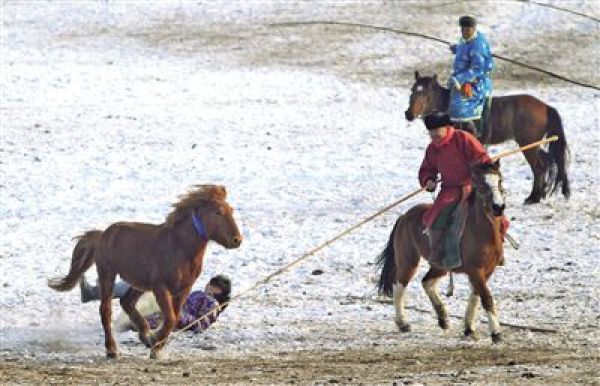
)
(452, 158)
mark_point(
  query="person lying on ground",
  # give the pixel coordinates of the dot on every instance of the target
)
(199, 303)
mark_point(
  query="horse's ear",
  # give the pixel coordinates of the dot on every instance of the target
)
(417, 76)
(221, 192)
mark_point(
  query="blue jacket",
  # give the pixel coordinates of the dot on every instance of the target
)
(473, 63)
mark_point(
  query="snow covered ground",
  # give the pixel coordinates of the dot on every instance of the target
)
(110, 110)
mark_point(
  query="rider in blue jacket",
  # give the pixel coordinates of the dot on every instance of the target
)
(470, 83)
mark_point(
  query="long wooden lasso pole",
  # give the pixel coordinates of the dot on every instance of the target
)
(267, 278)
(526, 147)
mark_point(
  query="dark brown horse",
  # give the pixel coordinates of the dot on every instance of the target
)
(165, 259)
(520, 117)
(481, 250)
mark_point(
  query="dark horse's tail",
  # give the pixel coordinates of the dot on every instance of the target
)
(387, 261)
(82, 260)
(559, 152)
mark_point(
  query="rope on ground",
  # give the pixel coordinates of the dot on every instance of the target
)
(436, 39)
(511, 325)
(267, 278)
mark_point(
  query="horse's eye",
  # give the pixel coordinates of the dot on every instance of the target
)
(219, 212)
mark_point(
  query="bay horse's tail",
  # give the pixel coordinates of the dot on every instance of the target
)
(387, 261)
(559, 152)
(82, 260)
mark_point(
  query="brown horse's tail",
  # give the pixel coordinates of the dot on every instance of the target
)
(82, 260)
(386, 260)
(559, 152)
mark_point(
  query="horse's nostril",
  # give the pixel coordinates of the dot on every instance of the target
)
(237, 241)
(408, 115)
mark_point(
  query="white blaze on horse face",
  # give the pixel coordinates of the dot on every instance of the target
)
(398, 294)
(493, 182)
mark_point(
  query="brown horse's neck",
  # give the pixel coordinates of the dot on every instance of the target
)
(190, 247)
(188, 241)
(485, 228)
(483, 222)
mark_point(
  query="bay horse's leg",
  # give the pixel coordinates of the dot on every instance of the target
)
(178, 302)
(106, 281)
(538, 168)
(471, 313)
(165, 302)
(406, 270)
(398, 295)
(429, 283)
(128, 302)
(487, 301)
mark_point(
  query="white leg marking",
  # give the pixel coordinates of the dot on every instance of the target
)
(493, 321)
(398, 294)
(472, 308)
(432, 292)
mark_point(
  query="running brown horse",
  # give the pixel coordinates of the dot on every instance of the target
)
(165, 259)
(520, 117)
(481, 250)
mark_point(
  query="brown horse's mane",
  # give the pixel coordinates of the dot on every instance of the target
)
(194, 199)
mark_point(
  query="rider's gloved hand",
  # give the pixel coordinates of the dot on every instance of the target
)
(430, 185)
(453, 48)
(467, 90)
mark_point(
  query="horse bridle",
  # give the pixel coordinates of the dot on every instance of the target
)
(199, 225)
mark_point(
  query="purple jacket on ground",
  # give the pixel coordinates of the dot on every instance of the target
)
(196, 305)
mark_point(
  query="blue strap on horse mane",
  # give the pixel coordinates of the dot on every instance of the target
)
(199, 226)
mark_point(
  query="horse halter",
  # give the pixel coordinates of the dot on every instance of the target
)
(199, 226)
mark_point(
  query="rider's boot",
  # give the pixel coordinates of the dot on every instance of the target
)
(436, 238)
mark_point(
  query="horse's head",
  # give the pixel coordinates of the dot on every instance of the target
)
(217, 217)
(487, 182)
(211, 215)
(421, 97)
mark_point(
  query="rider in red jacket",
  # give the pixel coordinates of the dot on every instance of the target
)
(451, 153)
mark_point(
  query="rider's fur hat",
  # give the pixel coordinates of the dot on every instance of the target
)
(467, 21)
(435, 120)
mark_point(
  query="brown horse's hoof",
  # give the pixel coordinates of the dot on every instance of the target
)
(496, 338)
(146, 340)
(111, 355)
(531, 200)
(468, 333)
(443, 323)
(403, 327)
(156, 354)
